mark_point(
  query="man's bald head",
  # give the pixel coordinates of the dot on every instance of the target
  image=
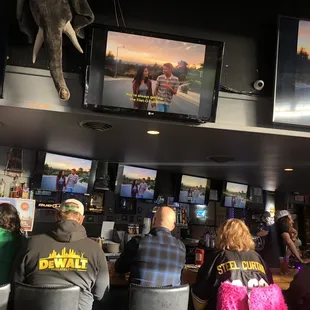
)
(164, 217)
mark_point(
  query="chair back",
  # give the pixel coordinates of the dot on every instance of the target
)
(158, 298)
(46, 298)
(4, 296)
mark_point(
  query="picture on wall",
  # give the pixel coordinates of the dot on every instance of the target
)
(137, 182)
(235, 195)
(66, 174)
(193, 190)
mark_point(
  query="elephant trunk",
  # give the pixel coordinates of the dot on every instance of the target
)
(53, 42)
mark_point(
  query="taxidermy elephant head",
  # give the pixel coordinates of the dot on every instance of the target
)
(54, 17)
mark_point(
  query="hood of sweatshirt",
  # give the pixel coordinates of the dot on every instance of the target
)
(68, 231)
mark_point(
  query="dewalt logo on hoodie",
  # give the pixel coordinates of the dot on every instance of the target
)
(64, 261)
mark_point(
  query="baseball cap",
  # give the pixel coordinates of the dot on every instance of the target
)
(72, 205)
(283, 213)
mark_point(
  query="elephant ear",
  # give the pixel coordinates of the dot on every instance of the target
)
(82, 16)
(25, 20)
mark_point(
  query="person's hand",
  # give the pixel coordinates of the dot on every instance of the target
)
(306, 261)
(166, 85)
(153, 102)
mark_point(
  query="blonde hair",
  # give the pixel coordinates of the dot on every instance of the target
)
(234, 235)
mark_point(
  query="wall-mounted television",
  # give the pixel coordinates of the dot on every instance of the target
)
(235, 195)
(135, 182)
(153, 75)
(193, 189)
(292, 84)
(66, 174)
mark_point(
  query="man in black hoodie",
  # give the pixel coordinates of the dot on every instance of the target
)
(65, 256)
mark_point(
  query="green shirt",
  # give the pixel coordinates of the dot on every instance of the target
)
(10, 243)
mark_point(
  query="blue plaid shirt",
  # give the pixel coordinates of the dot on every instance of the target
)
(156, 259)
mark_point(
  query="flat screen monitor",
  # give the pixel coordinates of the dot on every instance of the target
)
(153, 75)
(235, 195)
(66, 174)
(135, 182)
(193, 189)
(292, 85)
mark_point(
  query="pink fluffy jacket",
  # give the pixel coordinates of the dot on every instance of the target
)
(231, 297)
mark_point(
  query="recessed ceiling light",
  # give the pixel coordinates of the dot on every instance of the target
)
(153, 132)
(288, 169)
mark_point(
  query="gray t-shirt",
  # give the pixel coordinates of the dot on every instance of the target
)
(164, 94)
(72, 180)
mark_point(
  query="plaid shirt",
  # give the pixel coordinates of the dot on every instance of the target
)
(156, 259)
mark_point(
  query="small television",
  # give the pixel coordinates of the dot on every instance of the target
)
(193, 189)
(201, 212)
(153, 75)
(235, 195)
(135, 182)
(66, 174)
(292, 79)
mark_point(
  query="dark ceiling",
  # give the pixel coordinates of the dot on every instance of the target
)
(259, 159)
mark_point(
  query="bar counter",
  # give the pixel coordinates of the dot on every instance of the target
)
(189, 275)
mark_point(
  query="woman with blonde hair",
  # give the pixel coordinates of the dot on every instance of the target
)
(235, 262)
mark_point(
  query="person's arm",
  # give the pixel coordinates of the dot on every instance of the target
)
(134, 87)
(123, 264)
(204, 286)
(291, 245)
(19, 267)
(262, 233)
(102, 283)
(198, 303)
(156, 88)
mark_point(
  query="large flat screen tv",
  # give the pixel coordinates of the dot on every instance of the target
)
(292, 85)
(135, 182)
(235, 195)
(193, 190)
(153, 75)
(66, 174)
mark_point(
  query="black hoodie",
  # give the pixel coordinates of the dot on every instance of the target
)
(65, 256)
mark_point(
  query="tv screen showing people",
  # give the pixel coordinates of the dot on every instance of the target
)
(193, 189)
(137, 182)
(235, 195)
(156, 74)
(66, 174)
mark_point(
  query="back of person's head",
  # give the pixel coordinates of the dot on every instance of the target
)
(71, 209)
(164, 217)
(9, 218)
(234, 235)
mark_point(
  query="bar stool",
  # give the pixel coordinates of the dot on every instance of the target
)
(158, 298)
(46, 298)
(4, 296)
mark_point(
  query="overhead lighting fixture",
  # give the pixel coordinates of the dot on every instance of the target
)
(153, 132)
(288, 169)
